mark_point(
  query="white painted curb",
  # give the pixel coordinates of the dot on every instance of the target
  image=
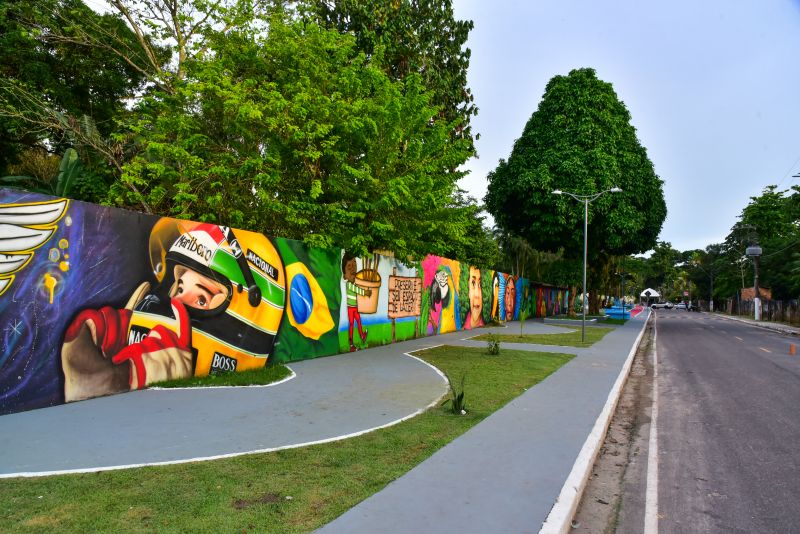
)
(560, 517)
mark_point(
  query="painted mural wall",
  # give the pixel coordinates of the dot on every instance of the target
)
(97, 301)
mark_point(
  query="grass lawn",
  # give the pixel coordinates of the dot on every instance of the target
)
(263, 376)
(294, 490)
(571, 338)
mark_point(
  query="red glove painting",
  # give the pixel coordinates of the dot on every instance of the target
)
(162, 354)
(94, 353)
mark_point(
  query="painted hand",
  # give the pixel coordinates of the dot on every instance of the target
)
(162, 354)
(89, 342)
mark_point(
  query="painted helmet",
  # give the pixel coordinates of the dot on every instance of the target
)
(232, 284)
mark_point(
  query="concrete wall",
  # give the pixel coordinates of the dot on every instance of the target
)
(97, 300)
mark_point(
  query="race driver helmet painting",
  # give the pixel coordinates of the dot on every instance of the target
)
(232, 285)
(217, 305)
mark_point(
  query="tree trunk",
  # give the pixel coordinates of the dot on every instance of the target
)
(573, 294)
(594, 303)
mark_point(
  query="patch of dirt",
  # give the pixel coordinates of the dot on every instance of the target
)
(601, 503)
(267, 498)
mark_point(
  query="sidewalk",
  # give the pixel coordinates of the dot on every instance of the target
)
(506, 474)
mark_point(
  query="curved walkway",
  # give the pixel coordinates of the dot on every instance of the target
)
(328, 399)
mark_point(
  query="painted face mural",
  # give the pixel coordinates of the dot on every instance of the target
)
(510, 298)
(475, 294)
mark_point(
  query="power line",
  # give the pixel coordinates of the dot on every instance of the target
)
(789, 172)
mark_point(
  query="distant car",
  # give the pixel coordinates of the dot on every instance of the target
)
(657, 305)
(680, 306)
(669, 305)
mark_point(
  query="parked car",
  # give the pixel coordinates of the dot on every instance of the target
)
(657, 305)
(680, 306)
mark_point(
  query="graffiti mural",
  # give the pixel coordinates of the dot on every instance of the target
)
(309, 326)
(378, 295)
(96, 300)
(440, 308)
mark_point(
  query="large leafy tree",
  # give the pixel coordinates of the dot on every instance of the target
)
(415, 37)
(580, 140)
(250, 116)
(772, 220)
(295, 132)
(56, 92)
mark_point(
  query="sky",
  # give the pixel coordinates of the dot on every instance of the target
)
(712, 86)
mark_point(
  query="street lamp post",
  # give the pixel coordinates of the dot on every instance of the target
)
(585, 199)
(754, 251)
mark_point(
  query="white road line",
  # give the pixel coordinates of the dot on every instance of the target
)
(737, 337)
(651, 495)
(254, 451)
(765, 350)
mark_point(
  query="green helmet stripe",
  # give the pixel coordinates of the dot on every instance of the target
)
(225, 263)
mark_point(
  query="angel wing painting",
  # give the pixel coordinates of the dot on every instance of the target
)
(23, 229)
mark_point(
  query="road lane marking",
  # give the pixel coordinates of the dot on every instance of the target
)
(651, 493)
(737, 337)
(765, 350)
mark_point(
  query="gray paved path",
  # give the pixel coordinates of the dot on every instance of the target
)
(327, 399)
(505, 474)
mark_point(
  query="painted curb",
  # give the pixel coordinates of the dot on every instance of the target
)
(560, 517)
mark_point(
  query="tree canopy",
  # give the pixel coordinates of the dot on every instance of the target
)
(346, 128)
(579, 140)
(414, 36)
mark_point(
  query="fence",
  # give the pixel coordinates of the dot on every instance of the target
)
(780, 311)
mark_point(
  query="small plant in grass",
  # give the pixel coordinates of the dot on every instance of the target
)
(457, 403)
(492, 344)
(523, 316)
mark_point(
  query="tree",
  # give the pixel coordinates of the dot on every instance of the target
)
(294, 132)
(415, 37)
(58, 93)
(251, 117)
(772, 220)
(579, 140)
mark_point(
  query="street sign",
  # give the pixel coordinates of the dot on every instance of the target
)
(685, 293)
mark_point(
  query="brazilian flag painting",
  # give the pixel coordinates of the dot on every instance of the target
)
(309, 325)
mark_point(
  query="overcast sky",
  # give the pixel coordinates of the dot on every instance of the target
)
(713, 88)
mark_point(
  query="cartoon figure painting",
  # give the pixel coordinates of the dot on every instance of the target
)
(353, 291)
(440, 298)
(216, 307)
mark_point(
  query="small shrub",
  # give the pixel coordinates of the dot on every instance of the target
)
(457, 403)
(492, 344)
(523, 316)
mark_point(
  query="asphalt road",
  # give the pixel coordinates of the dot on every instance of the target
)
(728, 426)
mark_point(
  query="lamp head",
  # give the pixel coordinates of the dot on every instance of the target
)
(558, 192)
(615, 190)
